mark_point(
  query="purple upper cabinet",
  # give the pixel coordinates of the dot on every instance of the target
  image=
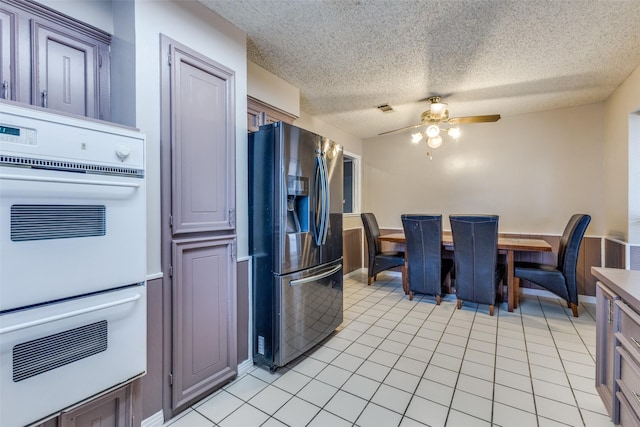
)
(53, 61)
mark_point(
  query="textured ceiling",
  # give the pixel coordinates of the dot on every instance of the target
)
(483, 56)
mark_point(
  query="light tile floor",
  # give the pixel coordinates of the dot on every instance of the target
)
(396, 362)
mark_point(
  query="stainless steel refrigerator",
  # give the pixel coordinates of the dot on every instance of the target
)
(295, 239)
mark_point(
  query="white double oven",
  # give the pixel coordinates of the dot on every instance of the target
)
(72, 261)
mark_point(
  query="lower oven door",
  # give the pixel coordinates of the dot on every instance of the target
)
(56, 355)
(64, 234)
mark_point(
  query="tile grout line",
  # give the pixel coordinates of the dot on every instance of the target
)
(564, 369)
(390, 303)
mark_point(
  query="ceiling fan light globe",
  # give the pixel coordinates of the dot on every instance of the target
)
(435, 142)
(454, 133)
(416, 137)
(433, 131)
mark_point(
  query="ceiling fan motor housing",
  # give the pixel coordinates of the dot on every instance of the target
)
(427, 117)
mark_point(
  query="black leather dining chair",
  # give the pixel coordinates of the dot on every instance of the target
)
(378, 260)
(428, 272)
(475, 246)
(559, 279)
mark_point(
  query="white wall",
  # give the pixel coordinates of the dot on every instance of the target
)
(349, 142)
(272, 90)
(534, 170)
(617, 184)
(195, 26)
(634, 178)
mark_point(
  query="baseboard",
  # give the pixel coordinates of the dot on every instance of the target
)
(355, 272)
(542, 293)
(154, 276)
(245, 367)
(155, 420)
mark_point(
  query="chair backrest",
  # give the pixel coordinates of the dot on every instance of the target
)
(424, 252)
(569, 248)
(372, 233)
(475, 249)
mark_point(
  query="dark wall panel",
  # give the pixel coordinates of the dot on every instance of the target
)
(243, 311)
(352, 249)
(614, 254)
(151, 384)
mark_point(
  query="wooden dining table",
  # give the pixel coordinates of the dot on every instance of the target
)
(506, 245)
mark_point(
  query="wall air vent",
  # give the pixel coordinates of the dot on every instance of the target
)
(385, 108)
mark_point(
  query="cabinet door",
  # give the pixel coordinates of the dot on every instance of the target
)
(8, 47)
(204, 316)
(203, 147)
(66, 71)
(605, 345)
(260, 113)
(110, 410)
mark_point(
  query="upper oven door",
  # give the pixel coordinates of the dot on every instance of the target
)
(64, 234)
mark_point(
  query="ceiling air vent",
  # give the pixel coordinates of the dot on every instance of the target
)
(385, 108)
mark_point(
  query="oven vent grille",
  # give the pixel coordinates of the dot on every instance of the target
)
(44, 222)
(65, 166)
(47, 353)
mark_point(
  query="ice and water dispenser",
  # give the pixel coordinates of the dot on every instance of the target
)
(297, 204)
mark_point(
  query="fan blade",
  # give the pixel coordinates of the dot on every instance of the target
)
(474, 119)
(401, 129)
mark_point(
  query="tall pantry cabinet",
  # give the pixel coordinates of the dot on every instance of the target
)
(198, 225)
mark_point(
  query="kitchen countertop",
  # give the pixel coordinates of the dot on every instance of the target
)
(625, 283)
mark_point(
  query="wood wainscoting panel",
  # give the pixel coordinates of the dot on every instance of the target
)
(352, 250)
(614, 254)
(591, 254)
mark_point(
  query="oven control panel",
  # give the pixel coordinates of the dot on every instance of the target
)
(38, 137)
(18, 135)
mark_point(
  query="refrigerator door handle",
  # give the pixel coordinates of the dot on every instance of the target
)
(323, 199)
(315, 277)
(317, 200)
(326, 205)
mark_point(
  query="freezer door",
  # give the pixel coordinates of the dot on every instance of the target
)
(309, 307)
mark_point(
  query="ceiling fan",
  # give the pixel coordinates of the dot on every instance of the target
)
(436, 119)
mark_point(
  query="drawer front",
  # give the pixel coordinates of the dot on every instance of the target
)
(627, 416)
(629, 381)
(629, 329)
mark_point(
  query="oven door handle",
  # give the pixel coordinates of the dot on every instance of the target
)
(68, 314)
(68, 181)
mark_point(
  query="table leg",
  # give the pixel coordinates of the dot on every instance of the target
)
(405, 274)
(511, 291)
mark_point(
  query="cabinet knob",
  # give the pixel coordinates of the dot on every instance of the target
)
(5, 90)
(44, 98)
